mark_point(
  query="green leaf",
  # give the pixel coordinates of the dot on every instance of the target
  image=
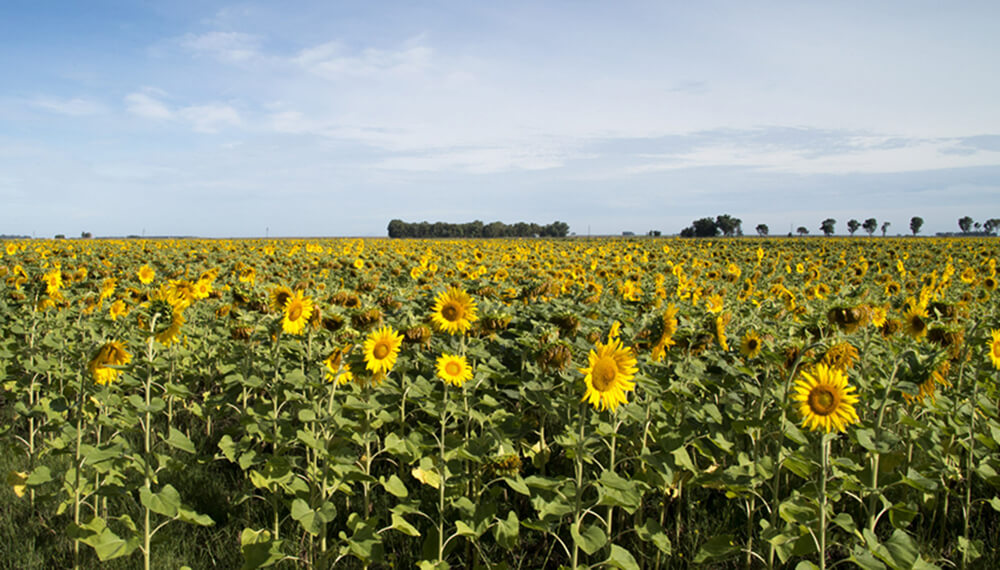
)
(617, 491)
(518, 485)
(399, 523)
(178, 440)
(973, 549)
(395, 486)
(190, 516)
(865, 559)
(507, 530)
(166, 501)
(901, 515)
(903, 549)
(426, 476)
(806, 565)
(717, 548)
(682, 459)
(590, 540)
(995, 503)
(259, 549)
(621, 559)
(105, 543)
(309, 518)
(797, 510)
(38, 476)
(651, 531)
(464, 530)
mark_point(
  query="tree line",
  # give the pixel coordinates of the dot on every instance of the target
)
(475, 229)
(727, 225)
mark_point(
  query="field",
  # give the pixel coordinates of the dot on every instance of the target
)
(646, 403)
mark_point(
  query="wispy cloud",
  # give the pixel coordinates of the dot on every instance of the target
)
(75, 107)
(211, 118)
(145, 105)
(230, 47)
(334, 60)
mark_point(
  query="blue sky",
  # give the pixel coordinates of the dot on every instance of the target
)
(332, 118)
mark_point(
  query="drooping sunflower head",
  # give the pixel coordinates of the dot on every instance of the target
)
(110, 354)
(381, 349)
(913, 321)
(609, 375)
(826, 401)
(298, 309)
(454, 311)
(751, 345)
(279, 296)
(454, 369)
(994, 345)
(337, 367)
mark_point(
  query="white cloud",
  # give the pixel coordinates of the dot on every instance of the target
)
(232, 47)
(75, 107)
(144, 105)
(211, 118)
(333, 60)
(861, 154)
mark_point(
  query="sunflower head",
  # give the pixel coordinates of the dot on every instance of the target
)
(110, 354)
(751, 345)
(825, 399)
(609, 375)
(381, 349)
(994, 347)
(453, 369)
(298, 309)
(279, 297)
(454, 311)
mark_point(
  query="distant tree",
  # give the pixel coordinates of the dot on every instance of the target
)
(826, 226)
(60, 236)
(628, 234)
(728, 225)
(870, 225)
(965, 223)
(885, 226)
(762, 230)
(803, 231)
(397, 229)
(654, 233)
(991, 225)
(978, 226)
(853, 225)
(702, 227)
(916, 222)
(86, 235)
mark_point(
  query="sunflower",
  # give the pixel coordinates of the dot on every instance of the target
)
(337, 368)
(454, 311)
(279, 296)
(169, 334)
(117, 309)
(913, 320)
(751, 345)
(298, 309)
(826, 400)
(146, 274)
(609, 375)
(994, 344)
(381, 348)
(111, 354)
(454, 369)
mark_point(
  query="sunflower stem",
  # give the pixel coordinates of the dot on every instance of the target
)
(578, 495)
(443, 469)
(824, 461)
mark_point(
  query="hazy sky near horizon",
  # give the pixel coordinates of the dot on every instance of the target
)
(310, 118)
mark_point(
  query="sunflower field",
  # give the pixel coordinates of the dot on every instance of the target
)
(643, 403)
